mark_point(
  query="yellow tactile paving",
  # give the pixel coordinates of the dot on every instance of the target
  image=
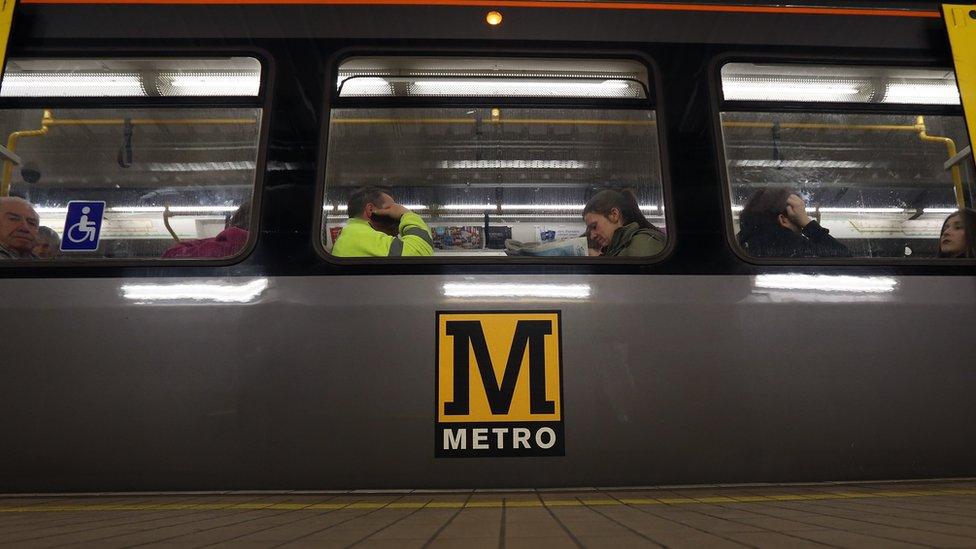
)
(434, 501)
(891, 515)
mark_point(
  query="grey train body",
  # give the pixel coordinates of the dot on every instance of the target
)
(289, 370)
(328, 383)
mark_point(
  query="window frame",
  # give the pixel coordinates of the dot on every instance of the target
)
(719, 105)
(653, 102)
(263, 102)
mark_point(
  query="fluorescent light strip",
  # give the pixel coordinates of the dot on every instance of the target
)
(344, 207)
(224, 84)
(863, 210)
(79, 84)
(468, 207)
(785, 90)
(529, 207)
(939, 210)
(802, 164)
(494, 87)
(503, 290)
(935, 92)
(127, 84)
(179, 209)
(485, 87)
(814, 209)
(243, 165)
(513, 164)
(926, 93)
(514, 216)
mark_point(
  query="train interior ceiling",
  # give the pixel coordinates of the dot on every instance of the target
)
(486, 149)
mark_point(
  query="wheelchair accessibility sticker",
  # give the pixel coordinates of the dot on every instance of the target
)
(82, 226)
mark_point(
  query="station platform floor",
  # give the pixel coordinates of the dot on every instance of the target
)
(891, 515)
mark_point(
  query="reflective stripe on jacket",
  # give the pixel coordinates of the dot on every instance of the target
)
(358, 239)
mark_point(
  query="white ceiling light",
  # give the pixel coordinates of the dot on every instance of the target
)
(52, 84)
(802, 164)
(863, 210)
(770, 89)
(927, 93)
(242, 84)
(513, 164)
(547, 88)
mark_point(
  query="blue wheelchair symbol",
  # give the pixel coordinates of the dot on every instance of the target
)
(82, 226)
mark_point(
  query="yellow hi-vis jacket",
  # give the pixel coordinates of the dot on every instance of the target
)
(358, 239)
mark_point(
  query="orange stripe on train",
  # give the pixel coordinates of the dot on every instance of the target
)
(790, 10)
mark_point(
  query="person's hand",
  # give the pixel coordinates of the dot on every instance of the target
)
(393, 211)
(796, 210)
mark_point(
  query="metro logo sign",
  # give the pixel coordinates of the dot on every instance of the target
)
(499, 384)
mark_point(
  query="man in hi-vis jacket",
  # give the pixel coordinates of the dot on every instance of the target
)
(379, 227)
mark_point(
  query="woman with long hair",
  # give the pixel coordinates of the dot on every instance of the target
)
(614, 220)
(958, 235)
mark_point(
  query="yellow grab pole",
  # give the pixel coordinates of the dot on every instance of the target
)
(950, 146)
(8, 166)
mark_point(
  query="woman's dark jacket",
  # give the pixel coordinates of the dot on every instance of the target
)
(771, 240)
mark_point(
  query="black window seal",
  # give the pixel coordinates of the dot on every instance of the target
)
(653, 103)
(717, 104)
(263, 102)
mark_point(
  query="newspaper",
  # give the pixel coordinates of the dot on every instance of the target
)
(568, 247)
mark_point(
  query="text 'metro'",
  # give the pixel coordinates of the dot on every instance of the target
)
(499, 384)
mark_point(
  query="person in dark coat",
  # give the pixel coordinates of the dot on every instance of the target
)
(774, 223)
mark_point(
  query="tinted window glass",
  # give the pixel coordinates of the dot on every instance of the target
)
(175, 182)
(494, 181)
(842, 184)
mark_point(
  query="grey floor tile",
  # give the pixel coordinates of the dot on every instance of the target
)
(464, 543)
(773, 539)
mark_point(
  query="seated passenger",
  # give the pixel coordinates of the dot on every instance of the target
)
(48, 245)
(958, 236)
(379, 227)
(774, 223)
(614, 222)
(226, 244)
(18, 228)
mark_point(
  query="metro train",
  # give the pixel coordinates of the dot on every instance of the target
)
(275, 365)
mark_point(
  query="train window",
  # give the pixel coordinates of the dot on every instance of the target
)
(152, 176)
(502, 179)
(862, 162)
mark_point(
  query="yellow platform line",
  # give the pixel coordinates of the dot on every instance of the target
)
(486, 504)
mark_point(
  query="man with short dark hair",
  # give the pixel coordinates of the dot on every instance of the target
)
(774, 223)
(379, 227)
(18, 228)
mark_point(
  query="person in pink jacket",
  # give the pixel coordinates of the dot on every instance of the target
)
(226, 244)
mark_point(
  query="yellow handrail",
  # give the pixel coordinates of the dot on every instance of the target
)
(950, 146)
(48, 121)
(8, 165)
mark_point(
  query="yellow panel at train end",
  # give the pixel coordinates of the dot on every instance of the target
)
(960, 21)
(6, 22)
